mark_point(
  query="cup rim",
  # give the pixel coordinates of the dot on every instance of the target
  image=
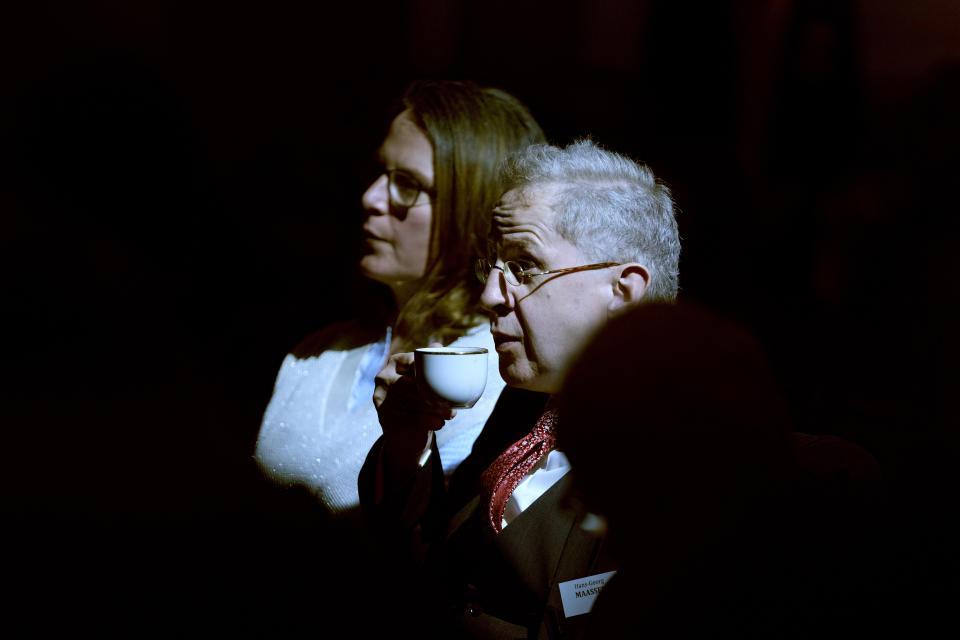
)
(451, 351)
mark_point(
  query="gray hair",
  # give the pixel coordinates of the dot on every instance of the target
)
(611, 208)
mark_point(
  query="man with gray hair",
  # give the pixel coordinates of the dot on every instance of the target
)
(576, 206)
(580, 236)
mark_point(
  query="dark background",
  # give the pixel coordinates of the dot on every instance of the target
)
(180, 198)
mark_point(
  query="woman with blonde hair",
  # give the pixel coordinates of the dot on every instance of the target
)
(427, 217)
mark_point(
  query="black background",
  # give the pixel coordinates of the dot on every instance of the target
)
(180, 201)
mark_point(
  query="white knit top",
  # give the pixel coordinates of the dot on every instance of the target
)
(321, 422)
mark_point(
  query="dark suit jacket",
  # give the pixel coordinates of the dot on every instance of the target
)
(482, 584)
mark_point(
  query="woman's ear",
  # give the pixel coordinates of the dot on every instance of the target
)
(629, 286)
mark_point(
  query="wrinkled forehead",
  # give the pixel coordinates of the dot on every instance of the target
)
(528, 195)
(523, 212)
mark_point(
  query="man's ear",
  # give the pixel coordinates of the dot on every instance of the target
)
(629, 286)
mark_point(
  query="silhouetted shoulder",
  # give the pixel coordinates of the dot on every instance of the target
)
(341, 336)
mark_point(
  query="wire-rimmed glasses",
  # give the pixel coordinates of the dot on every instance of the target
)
(516, 275)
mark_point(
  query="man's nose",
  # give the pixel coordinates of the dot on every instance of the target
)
(496, 297)
(376, 198)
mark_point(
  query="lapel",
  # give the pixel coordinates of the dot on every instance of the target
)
(545, 544)
(514, 573)
(514, 415)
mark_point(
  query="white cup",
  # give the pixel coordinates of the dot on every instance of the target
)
(451, 376)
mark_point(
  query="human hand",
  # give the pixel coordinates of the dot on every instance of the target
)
(407, 419)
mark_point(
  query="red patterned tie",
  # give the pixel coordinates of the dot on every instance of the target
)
(502, 477)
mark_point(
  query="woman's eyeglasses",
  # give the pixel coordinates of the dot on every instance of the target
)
(404, 189)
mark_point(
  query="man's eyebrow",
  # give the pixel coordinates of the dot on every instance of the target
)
(512, 245)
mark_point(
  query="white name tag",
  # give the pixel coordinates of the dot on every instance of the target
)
(579, 595)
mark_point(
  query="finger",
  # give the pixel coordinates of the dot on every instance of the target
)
(389, 384)
(400, 391)
(385, 378)
(403, 396)
(414, 407)
(387, 375)
(396, 367)
(405, 419)
(379, 395)
(405, 368)
(395, 361)
(440, 410)
(400, 362)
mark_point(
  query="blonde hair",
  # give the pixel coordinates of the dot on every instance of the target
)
(472, 129)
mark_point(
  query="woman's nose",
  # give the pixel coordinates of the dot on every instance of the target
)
(376, 198)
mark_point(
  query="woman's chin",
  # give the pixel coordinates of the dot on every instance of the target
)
(371, 266)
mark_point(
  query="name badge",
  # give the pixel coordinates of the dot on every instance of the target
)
(579, 595)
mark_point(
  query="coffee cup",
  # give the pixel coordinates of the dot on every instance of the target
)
(451, 376)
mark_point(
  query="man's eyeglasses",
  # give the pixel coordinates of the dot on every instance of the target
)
(517, 275)
(404, 189)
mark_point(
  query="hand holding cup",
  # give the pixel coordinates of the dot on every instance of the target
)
(452, 377)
